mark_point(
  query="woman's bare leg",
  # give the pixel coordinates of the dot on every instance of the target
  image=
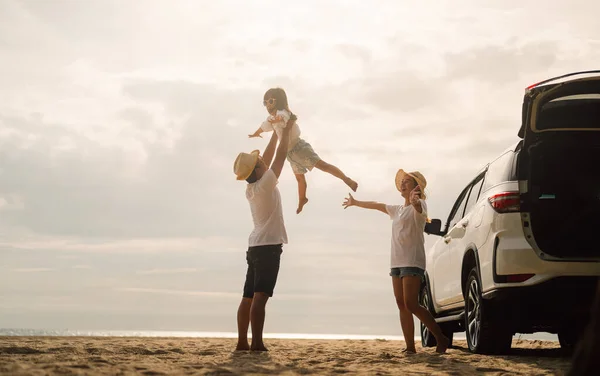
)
(331, 169)
(406, 318)
(411, 286)
(302, 200)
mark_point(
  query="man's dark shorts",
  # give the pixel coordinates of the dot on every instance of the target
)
(263, 267)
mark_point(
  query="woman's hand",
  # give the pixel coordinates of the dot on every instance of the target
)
(415, 196)
(349, 201)
(254, 135)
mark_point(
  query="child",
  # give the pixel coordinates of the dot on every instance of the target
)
(300, 154)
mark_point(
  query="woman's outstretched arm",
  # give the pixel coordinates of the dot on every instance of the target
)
(351, 201)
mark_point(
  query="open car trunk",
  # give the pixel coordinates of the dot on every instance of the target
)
(559, 168)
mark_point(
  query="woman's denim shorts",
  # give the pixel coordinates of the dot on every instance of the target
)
(407, 271)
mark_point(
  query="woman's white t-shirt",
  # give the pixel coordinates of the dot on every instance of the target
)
(408, 239)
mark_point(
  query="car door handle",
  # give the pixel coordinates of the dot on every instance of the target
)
(447, 239)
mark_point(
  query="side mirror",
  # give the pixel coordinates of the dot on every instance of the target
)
(434, 228)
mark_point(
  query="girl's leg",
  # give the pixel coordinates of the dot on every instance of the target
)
(302, 200)
(331, 169)
(411, 287)
(406, 318)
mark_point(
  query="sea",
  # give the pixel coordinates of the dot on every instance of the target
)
(194, 334)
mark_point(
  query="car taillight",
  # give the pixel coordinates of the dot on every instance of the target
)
(506, 202)
(515, 278)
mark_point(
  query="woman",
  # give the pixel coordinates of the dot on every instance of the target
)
(408, 254)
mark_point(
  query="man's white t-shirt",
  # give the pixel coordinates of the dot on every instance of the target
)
(265, 205)
(408, 239)
(278, 127)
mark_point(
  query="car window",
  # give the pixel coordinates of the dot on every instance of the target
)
(513, 171)
(474, 194)
(499, 170)
(459, 208)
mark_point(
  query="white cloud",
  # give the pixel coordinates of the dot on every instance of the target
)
(132, 246)
(167, 271)
(204, 294)
(32, 270)
(82, 266)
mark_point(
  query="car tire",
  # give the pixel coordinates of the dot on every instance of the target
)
(485, 335)
(427, 339)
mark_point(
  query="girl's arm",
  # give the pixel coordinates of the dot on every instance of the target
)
(351, 201)
(256, 133)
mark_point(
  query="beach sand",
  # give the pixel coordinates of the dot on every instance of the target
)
(214, 356)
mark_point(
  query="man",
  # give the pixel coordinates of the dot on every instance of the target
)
(266, 240)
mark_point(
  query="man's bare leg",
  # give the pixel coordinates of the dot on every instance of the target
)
(302, 200)
(331, 169)
(243, 321)
(257, 319)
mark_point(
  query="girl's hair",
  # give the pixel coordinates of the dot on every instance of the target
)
(281, 101)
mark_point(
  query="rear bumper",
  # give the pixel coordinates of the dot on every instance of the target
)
(513, 255)
(552, 305)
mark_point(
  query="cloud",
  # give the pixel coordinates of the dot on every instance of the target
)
(167, 271)
(223, 295)
(32, 270)
(85, 245)
(82, 266)
(204, 294)
(504, 63)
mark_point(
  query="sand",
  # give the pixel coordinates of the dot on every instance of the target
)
(214, 356)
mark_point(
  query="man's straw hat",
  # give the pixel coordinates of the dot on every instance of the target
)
(419, 178)
(244, 164)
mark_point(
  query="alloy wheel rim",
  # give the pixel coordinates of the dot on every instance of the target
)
(424, 331)
(473, 313)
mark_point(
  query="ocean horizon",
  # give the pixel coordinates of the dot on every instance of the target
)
(24, 332)
(15, 332)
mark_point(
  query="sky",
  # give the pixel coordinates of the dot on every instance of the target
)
(120, 122)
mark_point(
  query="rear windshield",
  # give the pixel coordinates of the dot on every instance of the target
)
(574, 111)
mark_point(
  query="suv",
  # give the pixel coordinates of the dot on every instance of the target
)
(519, 251)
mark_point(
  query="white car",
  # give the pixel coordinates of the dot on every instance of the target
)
(520, 252)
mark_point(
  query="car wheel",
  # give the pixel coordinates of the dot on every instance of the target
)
(427, 339)
(484, 334)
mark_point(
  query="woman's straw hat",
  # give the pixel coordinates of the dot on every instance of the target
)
(419, 178)
(244, 164)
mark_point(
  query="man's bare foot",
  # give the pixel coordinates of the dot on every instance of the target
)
(260, 347)
(351, 183)
(410, 351)
(442, 345)
(301, 203)
(242, 346)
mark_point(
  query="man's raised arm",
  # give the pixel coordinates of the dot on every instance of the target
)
(270, 150)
